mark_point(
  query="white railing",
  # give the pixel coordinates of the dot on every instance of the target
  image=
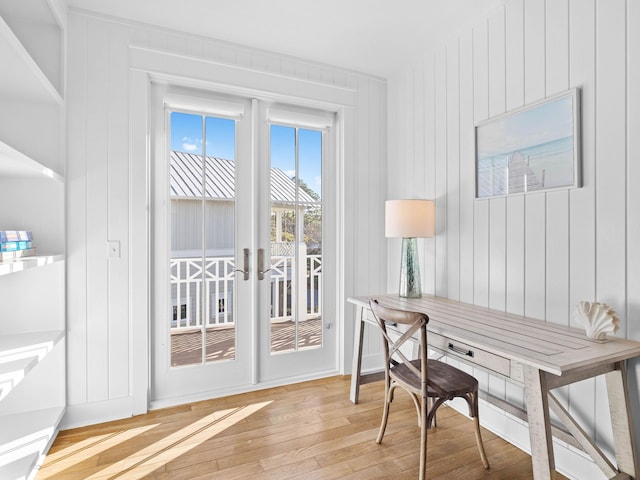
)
(314, 279)
(186, 291)
(282, 249)
(186, 278)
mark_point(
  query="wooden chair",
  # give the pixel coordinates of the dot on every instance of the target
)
(423, 378)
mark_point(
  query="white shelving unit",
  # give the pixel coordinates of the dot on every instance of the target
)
(32, 289)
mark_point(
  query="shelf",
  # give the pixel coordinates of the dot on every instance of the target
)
(22, 78)
(23, 345)
(19, 469)
(11, 373)
(32, 197)
(26, 263)
(26, 434)
(16, 164)
(39, 26)
(20, 353)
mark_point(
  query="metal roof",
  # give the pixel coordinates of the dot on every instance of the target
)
(186, 180)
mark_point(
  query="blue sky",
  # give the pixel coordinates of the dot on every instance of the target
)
(186, 136)
(534, 126)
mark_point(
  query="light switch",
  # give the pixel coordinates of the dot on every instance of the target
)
(113, 249)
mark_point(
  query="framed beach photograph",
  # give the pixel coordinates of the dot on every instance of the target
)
(533, 148)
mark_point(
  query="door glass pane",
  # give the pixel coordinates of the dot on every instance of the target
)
(296, 239)
(202, 326)
(185, 183)
(219, 221)
(310, 200)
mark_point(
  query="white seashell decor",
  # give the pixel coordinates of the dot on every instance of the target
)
(598, 319)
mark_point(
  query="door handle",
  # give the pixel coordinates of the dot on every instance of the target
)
(261, 272)
(245, 266)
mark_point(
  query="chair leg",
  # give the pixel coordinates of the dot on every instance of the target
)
(418, 405)
(432, 412)
(434, 419)
(476, 421)
(388, 395)
(423, 438)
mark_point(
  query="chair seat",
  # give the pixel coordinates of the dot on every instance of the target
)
(450, 379)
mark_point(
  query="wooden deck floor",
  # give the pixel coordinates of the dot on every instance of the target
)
(307, 431)
(186, 348)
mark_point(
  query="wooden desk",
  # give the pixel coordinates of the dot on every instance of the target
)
(539, 355)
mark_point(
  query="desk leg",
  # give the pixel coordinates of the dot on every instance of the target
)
(620, 408)
(358, 337)
(539, 423)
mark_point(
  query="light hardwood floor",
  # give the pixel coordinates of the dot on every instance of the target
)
(305, 431)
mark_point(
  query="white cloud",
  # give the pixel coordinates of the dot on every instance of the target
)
(190, 144)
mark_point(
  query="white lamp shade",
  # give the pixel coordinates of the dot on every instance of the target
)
(410, 218)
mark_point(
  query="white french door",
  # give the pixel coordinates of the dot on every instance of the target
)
(297, 327)
(240, 249)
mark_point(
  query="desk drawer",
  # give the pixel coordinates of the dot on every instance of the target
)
(470, 354)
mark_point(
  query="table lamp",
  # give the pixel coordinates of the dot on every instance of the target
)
(409, 220)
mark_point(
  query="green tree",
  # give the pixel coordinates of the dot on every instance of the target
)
(312, 222)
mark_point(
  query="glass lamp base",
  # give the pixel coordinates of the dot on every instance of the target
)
(410, 269)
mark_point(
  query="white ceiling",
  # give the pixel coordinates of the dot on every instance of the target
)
(371, 36)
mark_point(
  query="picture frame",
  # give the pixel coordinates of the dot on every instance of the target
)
(531, 149)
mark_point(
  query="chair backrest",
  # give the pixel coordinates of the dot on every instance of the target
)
(413, 322)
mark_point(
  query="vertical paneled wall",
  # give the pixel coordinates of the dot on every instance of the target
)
(536, 254)
(100, 190)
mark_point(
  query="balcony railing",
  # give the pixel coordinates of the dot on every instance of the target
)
(217, 297)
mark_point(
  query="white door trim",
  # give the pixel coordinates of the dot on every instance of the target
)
(148, 65)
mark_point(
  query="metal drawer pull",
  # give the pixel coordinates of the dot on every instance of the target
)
(461, 351)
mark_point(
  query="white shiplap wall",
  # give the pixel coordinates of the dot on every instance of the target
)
(538, 254)
(104, 196)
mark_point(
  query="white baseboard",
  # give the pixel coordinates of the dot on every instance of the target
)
(116, 409)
